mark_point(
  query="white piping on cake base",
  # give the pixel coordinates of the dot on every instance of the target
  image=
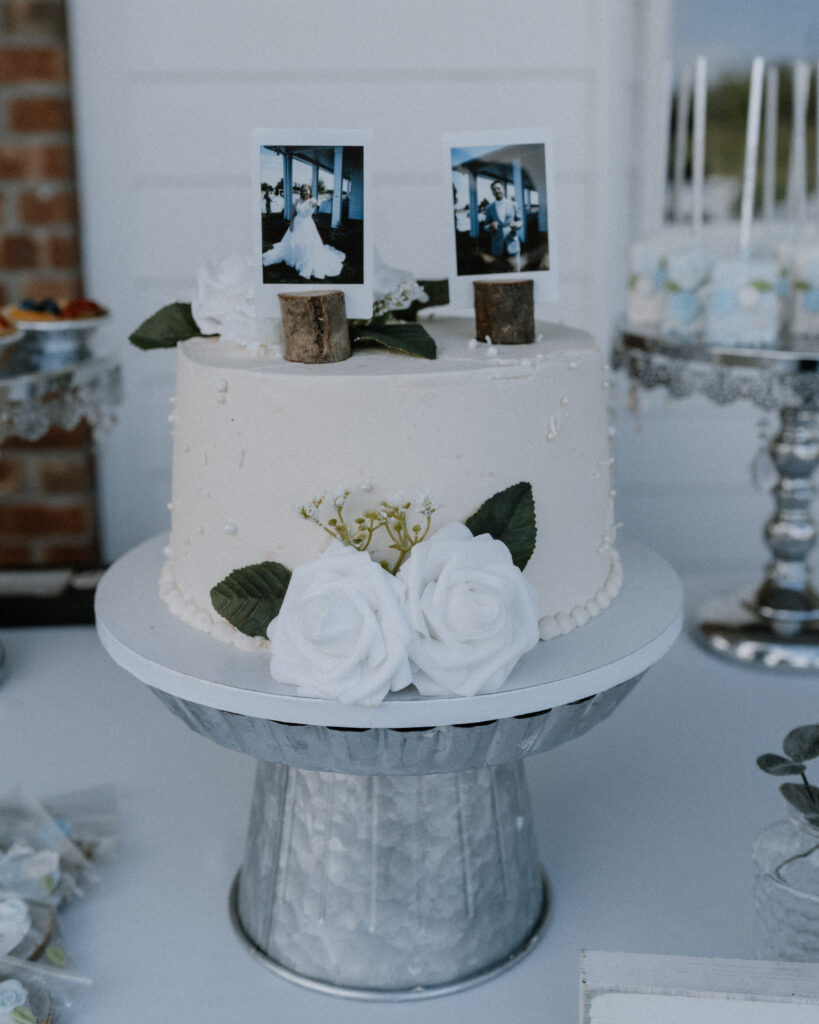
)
(186, 609)
(564, 622)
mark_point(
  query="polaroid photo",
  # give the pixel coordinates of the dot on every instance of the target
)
(311, 219)
(501, 210)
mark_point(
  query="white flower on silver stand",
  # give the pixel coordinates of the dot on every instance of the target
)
(340, 633)
(472, 613)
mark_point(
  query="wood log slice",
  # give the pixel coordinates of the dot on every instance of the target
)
(505, 312)
(314, 326)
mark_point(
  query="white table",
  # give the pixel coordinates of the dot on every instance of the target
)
(657, 805)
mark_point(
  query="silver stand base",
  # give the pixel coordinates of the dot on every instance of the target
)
(391, 995)
(732, 628)
(390, 887)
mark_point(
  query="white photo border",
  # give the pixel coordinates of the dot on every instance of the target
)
(461, 290)
(358, 298)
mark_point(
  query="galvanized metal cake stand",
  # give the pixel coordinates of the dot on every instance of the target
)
(50, 377)
(775, 624)
(390, 852)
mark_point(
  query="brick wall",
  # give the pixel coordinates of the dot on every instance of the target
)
(47, 496)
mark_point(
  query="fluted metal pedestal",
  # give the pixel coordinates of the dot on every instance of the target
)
(775, 624)
(390, 885)
(390, 851)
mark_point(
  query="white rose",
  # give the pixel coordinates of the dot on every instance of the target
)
(472, 613)
(252, 332)
(340, 633)
(12, 995)
(15, 922)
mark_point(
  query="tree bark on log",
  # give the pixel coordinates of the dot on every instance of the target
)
(505, 312)
(314, 327)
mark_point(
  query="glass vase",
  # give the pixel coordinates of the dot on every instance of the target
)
(786, 887)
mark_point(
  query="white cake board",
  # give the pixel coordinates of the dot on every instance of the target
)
(142, 636)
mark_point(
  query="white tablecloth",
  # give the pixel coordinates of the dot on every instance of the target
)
(645, 827)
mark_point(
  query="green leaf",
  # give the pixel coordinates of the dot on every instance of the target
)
(250, 598)
(762, 286)
(802, 743)
(775, 764)
(801, 286)
(804, 798)
(411, 338)
(509, 516)
(56, 956)
(164, 329)
(23, 1015)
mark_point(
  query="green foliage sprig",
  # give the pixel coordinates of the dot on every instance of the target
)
(393, 517)
(800, 745)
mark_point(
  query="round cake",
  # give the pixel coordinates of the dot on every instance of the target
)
(262, 445)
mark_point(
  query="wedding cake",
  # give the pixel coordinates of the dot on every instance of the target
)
(320, 475)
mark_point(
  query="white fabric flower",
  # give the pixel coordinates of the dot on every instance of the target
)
(393, 289)
(15, 922)
(340, 633)
(472, 613)
(12, 995)
(224, 303)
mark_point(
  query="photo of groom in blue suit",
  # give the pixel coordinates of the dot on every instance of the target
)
(502, 220)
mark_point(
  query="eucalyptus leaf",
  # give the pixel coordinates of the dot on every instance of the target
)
(411, 338)
(802, 743)
(22, 1015)
(250, 597)
(167, 327)
(804, 798)
(509, 516)
(56, 956)
(775, 764)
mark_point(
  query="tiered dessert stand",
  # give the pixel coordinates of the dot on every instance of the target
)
(390, 851)
(776, 624)
(50, 377)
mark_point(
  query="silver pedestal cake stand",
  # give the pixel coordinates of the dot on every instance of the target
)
(50, 377)
(776, 624)
(390, 852)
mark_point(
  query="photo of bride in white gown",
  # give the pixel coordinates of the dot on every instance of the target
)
(301, 247)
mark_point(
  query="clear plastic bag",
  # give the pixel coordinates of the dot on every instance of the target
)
(37, 859)
(33, 994)
(30, 930)
(90, 819)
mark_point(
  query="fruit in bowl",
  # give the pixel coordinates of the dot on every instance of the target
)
(55, 310)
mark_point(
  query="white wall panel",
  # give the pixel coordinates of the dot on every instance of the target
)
(336, 38)
(167, 95)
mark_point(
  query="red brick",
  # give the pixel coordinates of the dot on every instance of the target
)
(30, 64)
(65, 475)
(11, 476)
(55, 162)
(15, 162)
(15, 554)
(58, 208)
(79, 437)
(40, 114)
(18, 251)
(80, 556)
(43, 287)
(37, 520)
(35, 18)
(62, 251)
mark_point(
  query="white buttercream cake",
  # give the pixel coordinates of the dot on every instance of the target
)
(257, 439)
